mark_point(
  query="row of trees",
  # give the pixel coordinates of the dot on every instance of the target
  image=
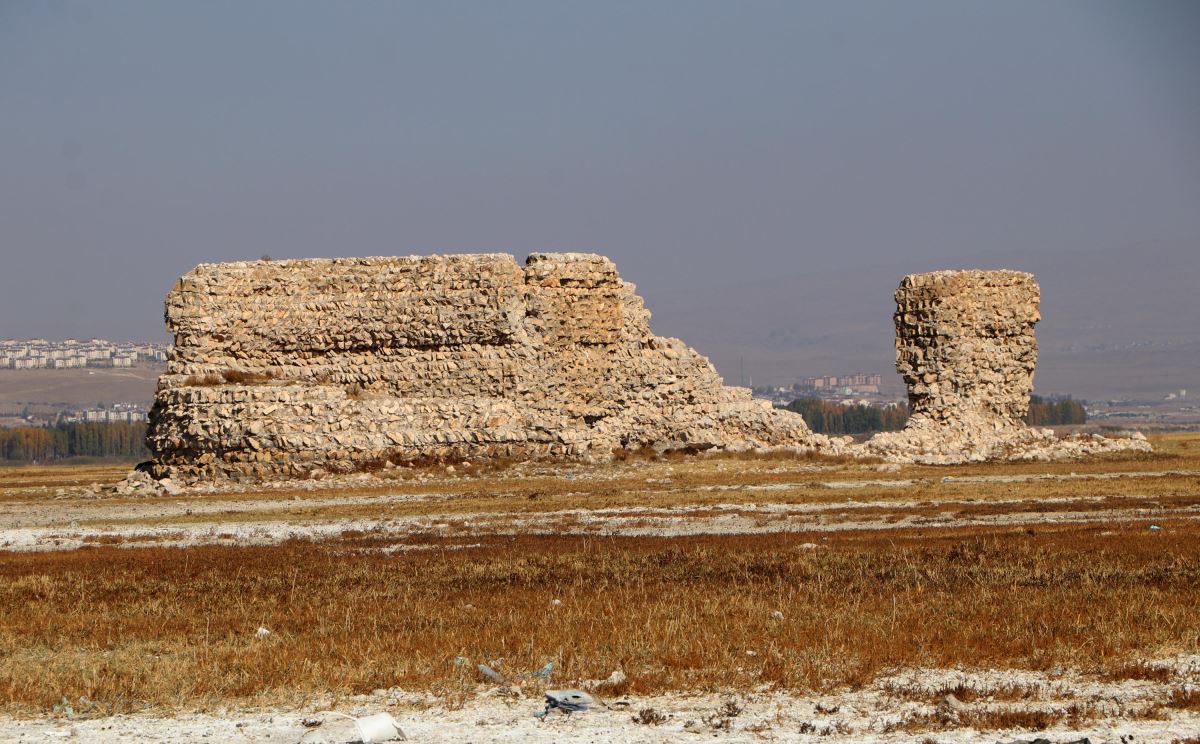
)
(837, 419)
(1058, 412)
(124, 441)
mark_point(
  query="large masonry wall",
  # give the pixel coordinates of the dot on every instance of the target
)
(302, 367)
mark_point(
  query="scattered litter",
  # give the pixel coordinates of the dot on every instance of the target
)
(1040, 740)
(613, 680)
(64, 706)
(262, 632)
(460, 661)
(1155, 527)
(776, 614)
(492, 674)
(378, 727)
(556, 602)
(568, 701)
(616, 678)
(751, 653)
(544, 672)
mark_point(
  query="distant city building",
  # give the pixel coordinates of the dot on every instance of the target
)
(39, 353)
(118, 413)
(858, 388)
(856, 382)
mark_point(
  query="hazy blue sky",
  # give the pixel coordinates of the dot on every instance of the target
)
(705, 146)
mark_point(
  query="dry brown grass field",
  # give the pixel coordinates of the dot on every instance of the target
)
(123, 626)
(733, 574)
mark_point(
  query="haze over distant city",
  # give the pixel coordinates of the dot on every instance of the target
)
(765, 172)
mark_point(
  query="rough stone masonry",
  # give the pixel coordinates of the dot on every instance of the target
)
(285, 369)
(304, 367)
(966, 348)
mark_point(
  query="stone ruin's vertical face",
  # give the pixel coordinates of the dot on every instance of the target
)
(966, 348)
(298, 368)
(965, 342)
(294, 368)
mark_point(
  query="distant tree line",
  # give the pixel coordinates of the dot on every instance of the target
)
(1057, 412)
(838, 419)
(824, 417)
(118, 440)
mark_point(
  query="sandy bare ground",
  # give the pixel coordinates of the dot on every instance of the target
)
(884, 712)
(57, 518)
(629, 522)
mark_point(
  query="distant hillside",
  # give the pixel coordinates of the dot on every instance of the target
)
(57, 388)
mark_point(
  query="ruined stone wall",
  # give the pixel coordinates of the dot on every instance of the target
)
(299, 367)
(966, 348)
(965, 342)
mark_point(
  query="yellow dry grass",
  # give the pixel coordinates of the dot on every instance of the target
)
(128, 625)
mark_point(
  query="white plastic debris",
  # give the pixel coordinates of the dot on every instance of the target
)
(776, 614)
(378, 727)
(262, 632)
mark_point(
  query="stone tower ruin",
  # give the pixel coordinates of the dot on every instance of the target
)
(965, 343)
(966, 348)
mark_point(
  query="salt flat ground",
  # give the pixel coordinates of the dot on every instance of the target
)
(741, 598)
